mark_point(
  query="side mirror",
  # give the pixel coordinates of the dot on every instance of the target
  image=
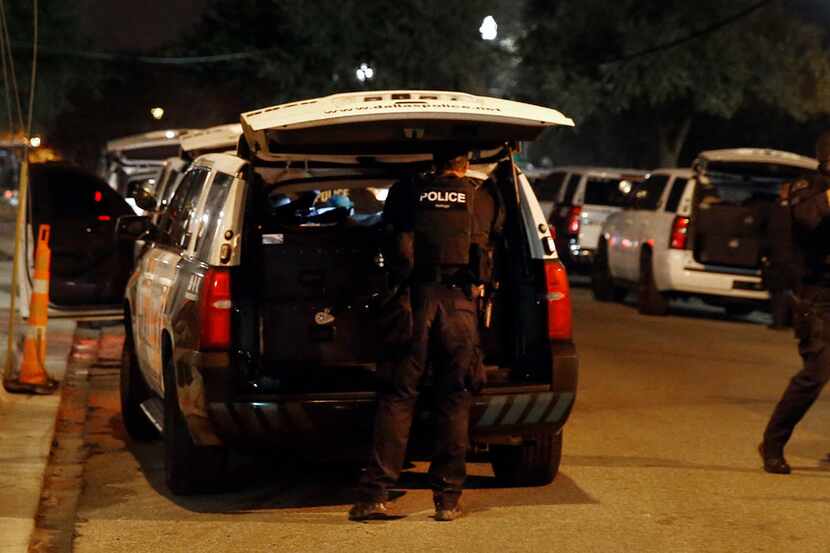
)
(132, 227)
(144, 196)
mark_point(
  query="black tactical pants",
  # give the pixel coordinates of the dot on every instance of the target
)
(780, 309)
(813, 329)
(446, 326)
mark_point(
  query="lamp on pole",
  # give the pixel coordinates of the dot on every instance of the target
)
(365, 73)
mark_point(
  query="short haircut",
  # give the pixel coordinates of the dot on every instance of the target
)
(451, 158)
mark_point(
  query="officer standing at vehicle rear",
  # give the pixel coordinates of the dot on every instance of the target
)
(782, 270)
(442, 226)
(810, 209)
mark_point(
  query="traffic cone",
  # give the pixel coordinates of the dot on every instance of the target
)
(32, 377)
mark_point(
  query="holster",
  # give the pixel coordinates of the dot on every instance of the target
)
(802, 318)
(811, 320)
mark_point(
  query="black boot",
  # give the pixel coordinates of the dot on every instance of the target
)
(773, 457)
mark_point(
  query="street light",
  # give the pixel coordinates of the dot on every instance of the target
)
(489, 28)
(34, 142)
(364, 73)
(157, 113)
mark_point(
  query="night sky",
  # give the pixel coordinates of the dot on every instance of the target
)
(134, 26)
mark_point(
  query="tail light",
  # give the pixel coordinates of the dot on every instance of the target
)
(560, 321)
(574, 215)
(215, 310)
(679, 233)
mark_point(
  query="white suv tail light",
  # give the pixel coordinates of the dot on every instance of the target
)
(215, 310)
(560, 318)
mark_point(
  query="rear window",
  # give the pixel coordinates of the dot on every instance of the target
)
(676, 193)
(176, 218)
(754, 170)
(573, 182)
(213, 216)
(550, 187)
(744, 187)
(361, 205)
(599, 191)
(649, 192)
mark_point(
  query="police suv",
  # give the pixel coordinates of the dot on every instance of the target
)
(251, 316)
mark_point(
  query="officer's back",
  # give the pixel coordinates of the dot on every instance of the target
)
(441, 226)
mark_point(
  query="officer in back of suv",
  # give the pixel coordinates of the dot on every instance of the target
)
(442, 226)
(810, 209)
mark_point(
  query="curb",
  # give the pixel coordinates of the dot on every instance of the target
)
(54, 530)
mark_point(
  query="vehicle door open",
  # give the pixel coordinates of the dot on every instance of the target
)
(89, 267)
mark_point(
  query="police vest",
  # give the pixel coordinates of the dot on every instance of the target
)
(443, 222)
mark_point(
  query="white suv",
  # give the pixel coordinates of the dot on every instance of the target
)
(249, 318)
(576, 201)
(696, 232)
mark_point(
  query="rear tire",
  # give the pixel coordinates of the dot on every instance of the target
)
(602, 283)
(650, 301)
(534, 464)
(134, 391)
(188, 468)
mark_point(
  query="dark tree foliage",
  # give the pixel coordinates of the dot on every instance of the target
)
(314, 48)
(582, 55)
(57, 76)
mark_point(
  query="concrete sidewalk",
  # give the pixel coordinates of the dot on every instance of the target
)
(27, 425)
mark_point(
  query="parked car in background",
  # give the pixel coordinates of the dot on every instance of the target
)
(697, 232)
(577, 200)
(135, 160)
(249, 320)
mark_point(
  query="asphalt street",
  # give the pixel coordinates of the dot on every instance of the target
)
(659, 456)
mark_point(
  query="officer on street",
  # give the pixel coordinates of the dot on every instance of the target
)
(810, 209)
(782, 269)
(442, 226)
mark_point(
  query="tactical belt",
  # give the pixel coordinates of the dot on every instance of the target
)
(451, 275)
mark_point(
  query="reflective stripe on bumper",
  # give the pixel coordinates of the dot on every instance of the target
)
(521, 409)
(489, 413)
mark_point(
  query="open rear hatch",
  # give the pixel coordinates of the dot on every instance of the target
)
(388, 122)
(735, 190)
(324, 167)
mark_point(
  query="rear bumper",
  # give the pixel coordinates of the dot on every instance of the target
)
(327, 418)
(677, 271)
(318, 418)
